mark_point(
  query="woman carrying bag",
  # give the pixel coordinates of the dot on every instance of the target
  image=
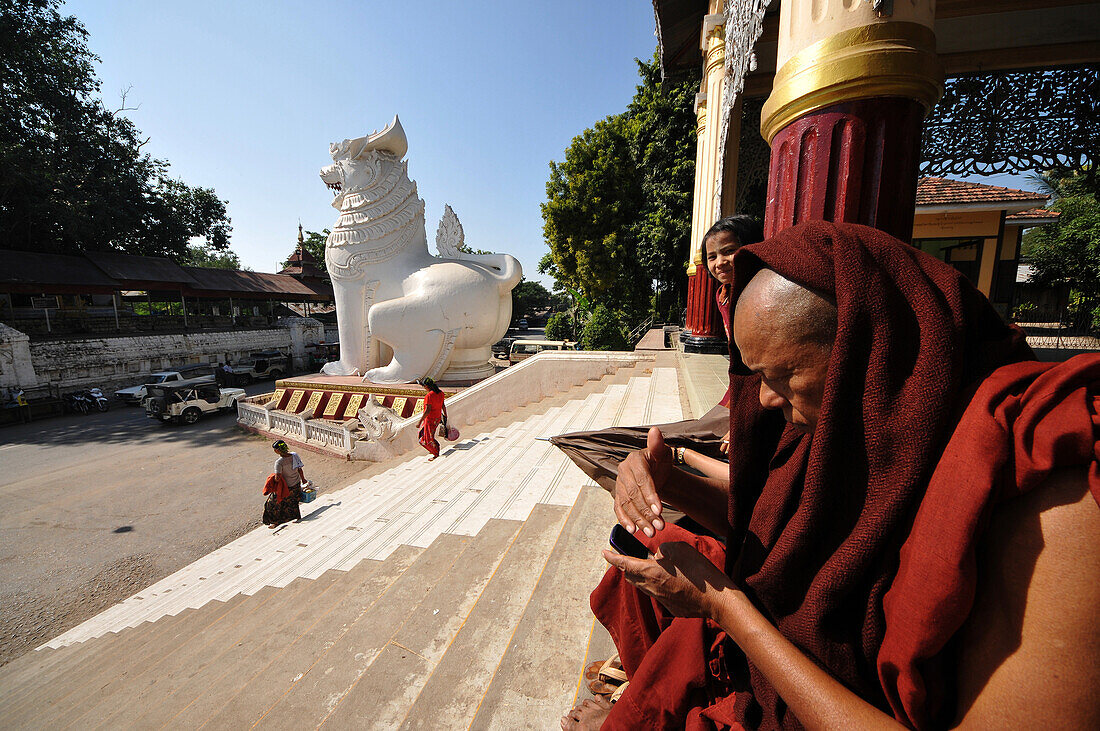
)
(435, 413)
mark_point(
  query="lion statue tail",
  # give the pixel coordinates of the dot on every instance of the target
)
(505, 268)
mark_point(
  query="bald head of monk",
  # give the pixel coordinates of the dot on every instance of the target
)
(785, 333)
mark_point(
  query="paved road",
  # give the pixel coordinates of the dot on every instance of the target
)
(96, 507)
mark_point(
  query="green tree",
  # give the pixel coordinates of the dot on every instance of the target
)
(560, 327)
(527, 297)
(665, 144)
(618, 210)
(603, 331)
(72, 174)
(199, 255)
(1068, 252)
(593, 203)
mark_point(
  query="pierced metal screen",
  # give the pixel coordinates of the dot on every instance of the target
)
(1014, 121)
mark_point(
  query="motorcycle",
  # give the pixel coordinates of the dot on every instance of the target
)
(98, 398)
(77, 403)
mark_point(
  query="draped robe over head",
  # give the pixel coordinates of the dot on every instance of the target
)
(818, 521)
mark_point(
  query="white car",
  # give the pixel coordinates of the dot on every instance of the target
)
(137, 394)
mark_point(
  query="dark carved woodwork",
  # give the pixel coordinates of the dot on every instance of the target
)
(1013, 122)
(853, 162)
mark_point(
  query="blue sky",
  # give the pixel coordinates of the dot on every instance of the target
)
(245, 97)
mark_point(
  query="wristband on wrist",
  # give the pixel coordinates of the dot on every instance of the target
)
(678, 455)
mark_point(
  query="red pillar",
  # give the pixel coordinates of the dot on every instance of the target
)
(855, 162)
(703, 331)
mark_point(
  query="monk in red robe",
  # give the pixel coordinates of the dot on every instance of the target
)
(918, 548)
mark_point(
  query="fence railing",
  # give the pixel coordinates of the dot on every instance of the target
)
(251, 413)
(635, 335)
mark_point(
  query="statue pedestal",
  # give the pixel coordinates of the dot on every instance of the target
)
(338, 398)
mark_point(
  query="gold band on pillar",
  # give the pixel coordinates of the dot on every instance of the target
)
(879, 60)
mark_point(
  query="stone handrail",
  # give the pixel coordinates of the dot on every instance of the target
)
(250, 413)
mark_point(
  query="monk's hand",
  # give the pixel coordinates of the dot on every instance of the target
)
(641, 475)
(724, 445)
(684, 581)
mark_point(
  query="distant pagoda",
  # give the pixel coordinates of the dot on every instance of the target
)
(303, 265)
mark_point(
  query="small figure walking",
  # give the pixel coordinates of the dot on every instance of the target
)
(284, 487)
(435, 412)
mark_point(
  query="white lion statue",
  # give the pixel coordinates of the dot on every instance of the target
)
(403, 313)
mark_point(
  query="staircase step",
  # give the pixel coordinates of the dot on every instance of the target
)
(92, 676)
(175, 664)
(388, 683)
(450, 697)
(246, 654)
(332, 654)
(539, 674)
(282, 656)
(172, 690)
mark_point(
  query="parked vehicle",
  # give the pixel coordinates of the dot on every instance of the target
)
(137, 394)
(77, 402)
(260, 365)
(523, 349)
(96, 396)
(186, 401)
(502, 347)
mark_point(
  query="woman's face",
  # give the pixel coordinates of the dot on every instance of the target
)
(720, 250)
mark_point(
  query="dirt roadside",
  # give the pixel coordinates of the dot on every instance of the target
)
(98, 507)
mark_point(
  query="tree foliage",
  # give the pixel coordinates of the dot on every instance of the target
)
(603, 331)
(72, 174)
(665, 145)
(560, 327)
(618, 209)
(528, 297)
(199, 255)
(1068, 252)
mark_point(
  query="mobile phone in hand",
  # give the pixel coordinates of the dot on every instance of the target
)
(624, 542)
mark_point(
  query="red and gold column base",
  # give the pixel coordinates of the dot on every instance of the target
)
(703, 332)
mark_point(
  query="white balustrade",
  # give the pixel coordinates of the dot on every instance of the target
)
(317, 431)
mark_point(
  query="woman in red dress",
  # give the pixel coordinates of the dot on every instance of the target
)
(434, 413)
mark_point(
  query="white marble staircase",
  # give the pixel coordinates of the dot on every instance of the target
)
(501, 474)
(442, 595)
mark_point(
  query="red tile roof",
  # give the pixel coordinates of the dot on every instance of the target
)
(944, 192)
(1033, 214)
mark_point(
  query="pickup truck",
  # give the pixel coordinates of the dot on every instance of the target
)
(186, 401)
(136, 394)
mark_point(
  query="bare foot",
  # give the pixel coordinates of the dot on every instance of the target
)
(588, 715)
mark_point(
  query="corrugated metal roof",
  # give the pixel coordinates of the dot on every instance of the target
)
(231, 280)
(109, 271)
(29, 267)
(127, 267)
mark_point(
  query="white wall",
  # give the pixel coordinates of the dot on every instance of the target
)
(114, 362)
